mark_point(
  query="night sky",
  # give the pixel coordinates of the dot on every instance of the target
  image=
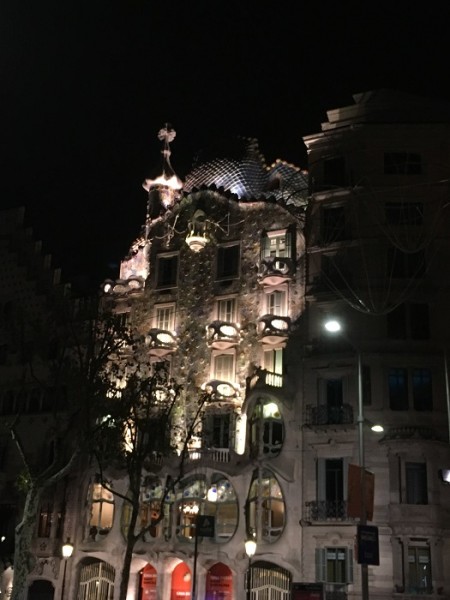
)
(86, 85)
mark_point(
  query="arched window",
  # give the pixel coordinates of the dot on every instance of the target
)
(150, 504)
(266, 581)
(265, 507)
(96, 581)
(102, 510)
(266, 429)
(217, 499)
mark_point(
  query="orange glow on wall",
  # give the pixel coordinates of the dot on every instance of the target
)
(181, 583)
(148, 583)
(219, 583)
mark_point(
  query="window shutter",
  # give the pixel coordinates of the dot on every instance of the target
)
(349, 565)
(321, 486)
(265, 247)
(345, 461)
(321, 570)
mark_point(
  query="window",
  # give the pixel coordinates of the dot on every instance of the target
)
(419, 570)
(45, 520)
(218, 499)
(334, 400)
(422, 389)
(265, 492)
(165, 317)
(276, 244)
(167, 270)
(405, 265)
(398, 389)
(418, 380)
(223, 367)
(402, 163)
(335, 172)
(273, 360)
(266, 429)
(276, 303)
(217, 430)
(334, 565)
(333, 224)
(226, 310)
(102, 510)
(228, 258)
(404, 213)
(366, 385)
(331, 489)
(150, 505)
(409, 321)
(416, 483)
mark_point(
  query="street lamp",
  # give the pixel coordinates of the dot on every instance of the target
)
(66, 551)
(334, 326)
(250, 549)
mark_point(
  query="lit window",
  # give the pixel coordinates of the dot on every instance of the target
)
(276, 244)
(165, 317)
(102, 511)
(276, 303)
(266, 429)
(419, 570)
(226, 310)
(150, 505)
(273, 360)
(45, 520)
(217, 499)
(402, 163)
(223, 367)
(265, 492)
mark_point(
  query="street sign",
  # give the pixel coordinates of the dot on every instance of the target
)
(368, 546)
(354, 504)
(205, 526)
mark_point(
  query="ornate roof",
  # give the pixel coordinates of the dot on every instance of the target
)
(240, 169)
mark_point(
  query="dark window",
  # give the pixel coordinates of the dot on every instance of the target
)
(398, 389)
(334, 400)
(333, 224)
(402, 163)
(334, 171)
(334, 566)
(422, 389)
(419, 570)
(419, 321)
(405, 264)
(404, 213)
(228, 261)
(45, 521)
(221, 431)
(366, 385)
(416, 483)
(167, 271)
(334, 480)
(409, 321)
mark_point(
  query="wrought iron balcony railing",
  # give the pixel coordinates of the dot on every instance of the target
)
(329, 415)
(326, 510)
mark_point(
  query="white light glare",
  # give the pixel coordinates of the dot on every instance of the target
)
(333, 326)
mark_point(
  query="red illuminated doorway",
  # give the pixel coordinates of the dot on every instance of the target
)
(148, 583)
(219, 583)
(181, 583)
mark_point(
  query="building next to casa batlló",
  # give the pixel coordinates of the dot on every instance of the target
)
(216, 285)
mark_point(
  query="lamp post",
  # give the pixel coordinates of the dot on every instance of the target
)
(250, 549)
(333, 326)
(66, 551)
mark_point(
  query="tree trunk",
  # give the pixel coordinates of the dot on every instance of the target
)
(24, 559)
(128, 556)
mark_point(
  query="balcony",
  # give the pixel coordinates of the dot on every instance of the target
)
(217, 455)
(329, 415)
(124, 287)
(221, 391)
(160, 342)
(275, 270)
(274, 330)
(262, 377)
(326, 510)
(222, 335)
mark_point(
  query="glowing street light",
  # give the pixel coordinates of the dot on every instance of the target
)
(66, 551)
(250, 550)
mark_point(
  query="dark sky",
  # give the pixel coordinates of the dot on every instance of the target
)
(86, 85)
